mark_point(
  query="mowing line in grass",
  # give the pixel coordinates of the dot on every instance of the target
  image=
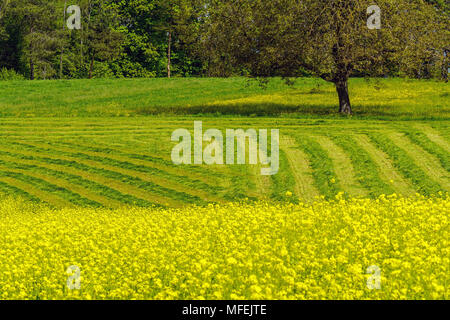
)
(127, 193)
(147, 174)
(342, 167)
(6, 189)
(405, 164)
(166, 179)
(149, 158)
(41, 189)
(434, 136)
(154, 191)
(366, 171)
(284, 181)
(385, 167)
(300, 168)
(262, 183)
(427, 162)
(87, 198)
(322, 166)
(431, 147)
(62, 180)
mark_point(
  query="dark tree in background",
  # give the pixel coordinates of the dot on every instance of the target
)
(36, 34)
(326, 38)
(102, 40)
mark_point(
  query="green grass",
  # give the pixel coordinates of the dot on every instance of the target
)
(379, 98)
(127, 160)
(420, 139)
(323, 171)
(283, 181)
(367, 172)
(406, 165)
(106, 143)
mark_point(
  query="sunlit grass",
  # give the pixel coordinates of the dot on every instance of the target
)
(377, 98)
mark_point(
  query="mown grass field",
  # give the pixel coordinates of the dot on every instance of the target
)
(94, 143)
(126, 161)
(91, 164)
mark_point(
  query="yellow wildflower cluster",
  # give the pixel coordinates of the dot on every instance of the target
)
(234, 251)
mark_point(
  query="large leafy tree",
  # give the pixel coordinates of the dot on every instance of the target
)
(327, 38)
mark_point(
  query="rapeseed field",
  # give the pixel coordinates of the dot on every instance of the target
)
(247, 250)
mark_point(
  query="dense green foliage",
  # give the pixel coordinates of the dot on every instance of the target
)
(117, 38)
(155, 38)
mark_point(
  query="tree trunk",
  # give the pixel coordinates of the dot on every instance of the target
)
(61, 64)
(445, 65)
(31, 58)
(344, 98)
(62, 47)
(91, 67)
(31, 69)
(169, 55)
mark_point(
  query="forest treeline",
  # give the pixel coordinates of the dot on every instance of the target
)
(142, 38)
(118, 38)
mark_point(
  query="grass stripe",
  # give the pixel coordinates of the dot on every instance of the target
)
(144, 173)
(146, 190)
(44, 190)
(431, 147)
(262, 183)
(300, 168)
(284, 181)
(61, 188)
(385, 166)
(405, 164)
(85, 197)
(104, 186)
(170, 180)
(149, 158)
(434, 136)
(10, 190)
(61, 179)
(343, 167)
(366, 170)
(426, 161)
(321, 164)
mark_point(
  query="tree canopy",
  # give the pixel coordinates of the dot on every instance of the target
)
(326, 38)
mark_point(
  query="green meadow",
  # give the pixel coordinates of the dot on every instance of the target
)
(308, 97)
(107, 143)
